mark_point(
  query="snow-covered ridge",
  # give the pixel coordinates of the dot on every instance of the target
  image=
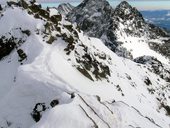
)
(71, 80)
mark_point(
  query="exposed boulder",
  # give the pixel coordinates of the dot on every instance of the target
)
(37, 111)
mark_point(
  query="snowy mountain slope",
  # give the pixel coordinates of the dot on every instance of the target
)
(131, 28)
(70, 80)
(122, 29)
(12, 29)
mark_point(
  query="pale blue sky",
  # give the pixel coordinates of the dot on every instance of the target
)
(140, 4)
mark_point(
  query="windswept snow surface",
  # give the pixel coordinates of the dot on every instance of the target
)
(122, 101)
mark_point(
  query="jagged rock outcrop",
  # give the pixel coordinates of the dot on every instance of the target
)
(155, 66)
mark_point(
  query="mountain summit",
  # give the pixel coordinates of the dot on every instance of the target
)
(134, 22)
(126, 12)
(90, 15)
(124, 5)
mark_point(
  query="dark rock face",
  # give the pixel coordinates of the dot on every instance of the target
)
(6, 46)
(93, 16)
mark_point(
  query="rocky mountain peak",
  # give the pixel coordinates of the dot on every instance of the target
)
(124, 4)
(126, 12)
(85, 3)
(65, 8)
(90, 14)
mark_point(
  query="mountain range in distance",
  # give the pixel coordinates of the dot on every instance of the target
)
(157, 17)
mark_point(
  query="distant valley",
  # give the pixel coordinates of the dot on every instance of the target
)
(158, 17)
